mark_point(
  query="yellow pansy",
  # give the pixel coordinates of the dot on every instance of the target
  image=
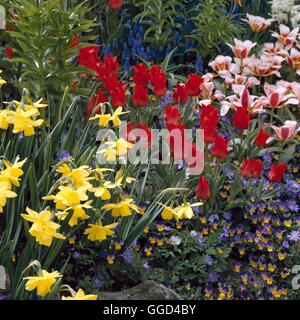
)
(97, 232)
(43, 229)
(80, 296)
(43, 282)
(122, 208)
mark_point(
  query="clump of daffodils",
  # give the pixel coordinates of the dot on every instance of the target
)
(23, 117)
(9, 177)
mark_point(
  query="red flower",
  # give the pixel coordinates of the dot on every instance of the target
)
(141, 75)
(203, 190)
(261, 139)
(140, 97)
(180, 95)
(193, 84)
(241, 119)
(109, 67)
(115, 4)
(9, 52)
(172, 115)
(277, 172)
(251, 168)
(75, 42)
(118, 96)
(158, 80)
(209, 117)
(210, 134)
(219, 150)
(88, 57)
(143, 133)
(94, 102)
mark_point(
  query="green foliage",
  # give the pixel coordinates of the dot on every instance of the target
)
(214, 26)
(42, 39)
(159, 16)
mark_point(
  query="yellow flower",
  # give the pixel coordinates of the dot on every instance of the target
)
(119, 179)
(68, 197)
(185, 211)
(4, 119)
(30, 106)
(23, 122)
(79, 176)
(79, 213)
(97, 232)
(119, 147)
(43, 229)
(100, 172)
(43, 282)
(104, 119)
(168, 213)
(80, 296)
(102, 191)
(122, 208)
(12, 172)
(5, 193)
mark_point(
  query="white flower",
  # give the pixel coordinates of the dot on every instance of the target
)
(175, 240)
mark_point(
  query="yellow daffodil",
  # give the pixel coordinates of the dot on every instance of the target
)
(12, 172)
(104, 119)
(68, 197)
(23, 121)
(100, 172)
(30, 106)
(97, 232)
(79, 213)
(122, 208)
(185, 211)
(168, 213)
(103, 190)
(119, 147)
(80, 296)
(5, 193)
(4, 119)
(43, 282)
(43, 229)
(79, 176)
(119, 179)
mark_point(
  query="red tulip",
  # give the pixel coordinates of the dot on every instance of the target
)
(140, 97)
(203, 190)
(180, 95)
(172, 115)
(210, 135)
(115, 4)
(219, 150)
(158, 80)
(251, 168)
(88, 57)
(141, 75)
(277, 172)
(209, 117)
(261, 139)
(193, 85)
(241, 119)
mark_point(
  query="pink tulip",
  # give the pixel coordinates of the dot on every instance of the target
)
(257, 23)
(294, 60)
(286, 37)
(242, 49)
(221, 63)
(287, 131)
